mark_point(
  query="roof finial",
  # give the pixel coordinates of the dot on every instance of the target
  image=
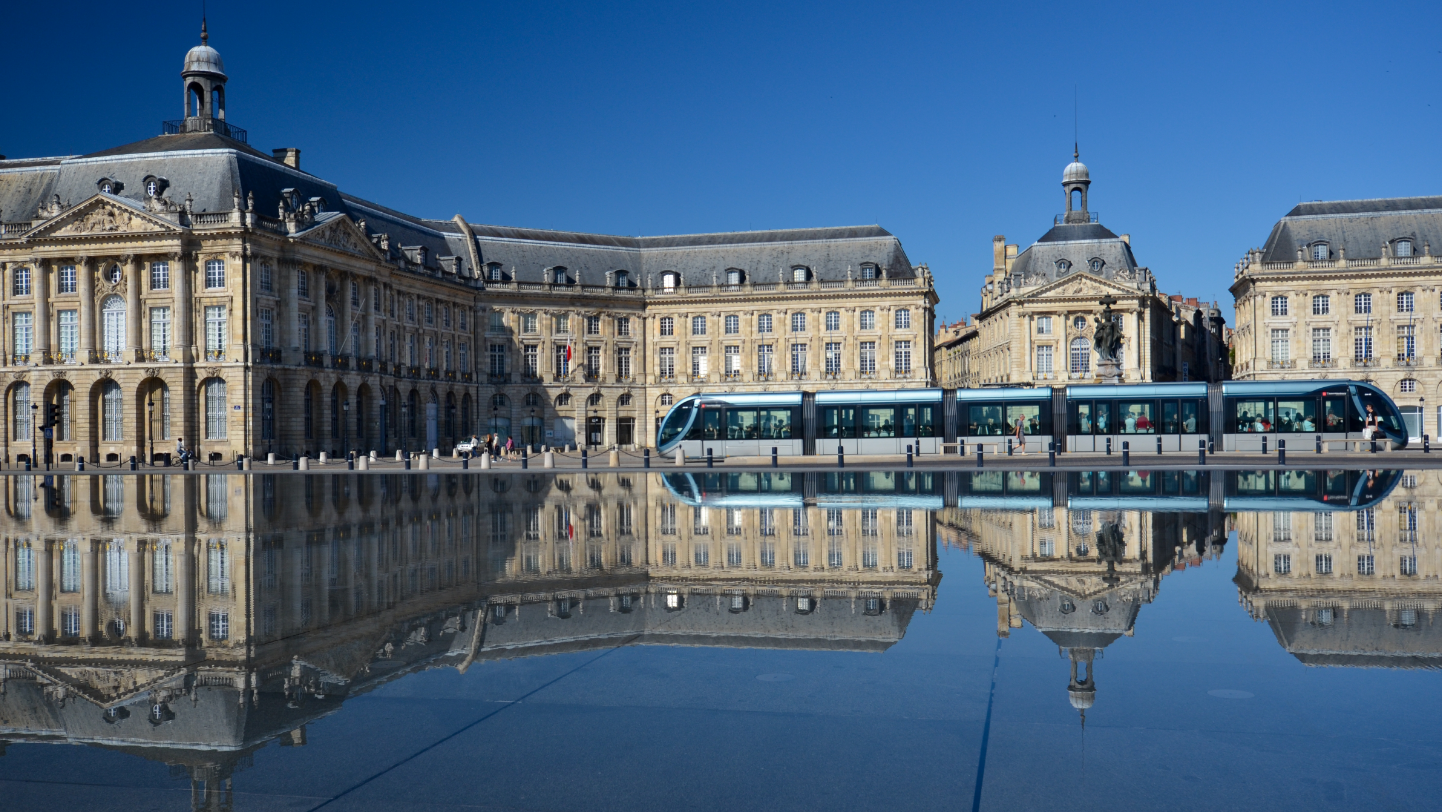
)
(204, 37)
(1075, 126)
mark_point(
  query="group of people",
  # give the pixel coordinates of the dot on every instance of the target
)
(493, 444)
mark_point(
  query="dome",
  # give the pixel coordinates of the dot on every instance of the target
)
(1081, 700)
(1075, 172)
(205, 59)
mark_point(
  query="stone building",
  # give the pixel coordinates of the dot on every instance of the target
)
(953, 346)
(188, 285)
(1349, 588)
(1039, 306)
(1347, 289)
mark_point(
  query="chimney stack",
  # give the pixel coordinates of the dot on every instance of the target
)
(290, 156)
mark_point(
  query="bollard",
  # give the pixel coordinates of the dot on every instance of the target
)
(239, 463)
(1159, 446)
(526, 457)
(350, 463)
(27, 465)
(305, 463)
(399, 456)
(364, 463)
(709, 459)
(324, 457)
(1201, 452)
(908, 455)
(680, 456)
(1374, 445)
(436, 453)
(80, 462)
(840, 457)
(585, 460)
(1109, 446)
(1211, 446)
(1281, 451)
(295, 462)
(423, 462)
(1264, 443)
(1008, 446)
(466, 463)
(1426, 444)
(613, 460)
(132, 462)
(270, 458)
(485, 460)
(978, 455)
(373, 457)
(408, 463)
(774, 462)
(961, 446)
(1319, 444)
(249, 461)
(1126, 453)
(548, 459)
(1051, 453)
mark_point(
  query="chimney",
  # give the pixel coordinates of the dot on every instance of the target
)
(1127, 238)
(998, 252)
(290, 156)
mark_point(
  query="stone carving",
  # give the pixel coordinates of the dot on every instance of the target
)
(19, 376)
(152, 372)
(212, 372)
(341, 238)
(52, 208)
(105, 373)
(105, 220)
(59, 374)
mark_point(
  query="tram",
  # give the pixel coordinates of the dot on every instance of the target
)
(1235, 415)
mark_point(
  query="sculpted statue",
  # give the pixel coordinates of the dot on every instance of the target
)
(1108, 336)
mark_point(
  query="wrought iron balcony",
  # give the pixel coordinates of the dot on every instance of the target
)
(365, 364)
(20, 359)
(265, 355)
(340, 361)
(1323, 363)
(199, 124)
(314, 359)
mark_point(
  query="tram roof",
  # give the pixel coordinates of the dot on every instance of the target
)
(1005, 393)
(1141, 390)
(898, 396)
(1284, 387)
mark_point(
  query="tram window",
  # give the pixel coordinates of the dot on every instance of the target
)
(774, 424)
(989, 482)
(878, 421)
(1245, 416)
(1255, 483)
(1193, 417)
(879, 482)
(1081, 419)
(1379, 406)
(1297, 483)
(1169, 417)
(1135, 482)
(1137, 416)
(1104, 482)
(1023, 482)
(1334, 413)
(1103, 417)
(1028, 414)
(1297, 415)
(984, 420)
(741, 424)
(675, 422)
(1334, 483)
(838, 422)
(1191, 482)
(1170, 479)
(707, 426)
(918, 421)
(1084, 482)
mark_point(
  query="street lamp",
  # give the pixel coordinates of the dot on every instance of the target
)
(656, 426)
(405, 422)
(150, 426)
(34, 426)
(345, 428)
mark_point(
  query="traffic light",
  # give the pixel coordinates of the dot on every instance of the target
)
(54, 415)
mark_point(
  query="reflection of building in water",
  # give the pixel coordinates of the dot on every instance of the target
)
(1078, 560)
(1349, 588)
(193, 619)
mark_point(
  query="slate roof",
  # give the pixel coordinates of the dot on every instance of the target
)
(1362, 227)
(1358, 638)
(1078, 244)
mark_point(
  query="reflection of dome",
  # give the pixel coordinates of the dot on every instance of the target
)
(1075, 172)
(1082, 699)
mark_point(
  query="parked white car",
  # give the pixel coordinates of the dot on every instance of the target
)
(471, 445)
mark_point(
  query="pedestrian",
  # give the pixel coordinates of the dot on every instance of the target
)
(1021, 434)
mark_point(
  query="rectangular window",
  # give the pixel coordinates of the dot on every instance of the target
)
(698, 325)
(1044, 360)
(623, 327)
(732, 356)
(21, 286)
(219, 625)
(1279, 305)
(798, 322)
(765, 364)
(164, 625)
(563, 364)
(698, 362)
(215, 409)
(867, 358)
(1406, 342)
(833, 321)
(903, 319)
(302, 284)
(668, 326)
(69, 330)
(1281, 346)
(1046, 548)
(1362, 343)
(303, 328)
(531, 361)
(1405, 302)
(214, 274)
(833, 358)
(160, 276)
(593, 325)
(733, 325)
(1321, 305)
(1324, 564)
(1321, 344)
(798, 359)
(67, 279)
(623, 363)
(593, 361)
(1043, 325)
(24, 567)
(217, 568)
(25, 620)
(1282, 563)
(498, 359)
(430, 311)
(215, 334)
(763, 323)
(528, 324)
(903, 357)
(24, 333)
(1362, 303)
(1365, 565)
(561, 325)
(1409, 565)
(666, 363)
(267, 278)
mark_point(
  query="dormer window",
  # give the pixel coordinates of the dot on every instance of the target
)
(805, 605)
(153, 186)
(799, 274)
(733, 276)
(669, 281)
(1096, 264)
(1321, 252)
(868, 271)
(493, 272)
(109, 186)
(1402, 248)
(559, 277)
(622, 279)
(1063, 266)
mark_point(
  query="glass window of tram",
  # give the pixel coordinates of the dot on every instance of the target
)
(917, 421)
(838, 422)
(1334, 414)
(984, 420)
(674, 422)
(1028, 414)
(1297, 415)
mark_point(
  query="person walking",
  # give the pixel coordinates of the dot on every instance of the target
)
(1021, 434)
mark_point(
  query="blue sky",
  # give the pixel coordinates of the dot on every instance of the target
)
(946, 123)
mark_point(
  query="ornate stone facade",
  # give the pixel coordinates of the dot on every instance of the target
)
(1347, 289)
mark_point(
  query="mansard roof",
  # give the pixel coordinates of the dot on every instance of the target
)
(1360, 227)
(1357, 637)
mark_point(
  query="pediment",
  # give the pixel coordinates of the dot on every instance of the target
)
(105, 685)
(340, 233)
(1086, 586)
(1081, 285)
(103, 215)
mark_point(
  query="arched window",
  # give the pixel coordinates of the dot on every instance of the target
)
(330, 337)
(1096, 264)
(667, 399)
(533, 399)
(267, 410)
(1081, 356)
(112, 405)
(112, 318)
(594, 400)
(215, 417)
(563, 400)
(624, 400)
(500, 402)
(21, 411)
(62, 399)
(1407, 386)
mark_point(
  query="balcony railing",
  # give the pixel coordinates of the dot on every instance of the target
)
(365, 364)
(264, 355)
(467, 377)
(1365, 363)
(664, 378)
(1323, 363)
(314, 359)
(413, 371)
(433, 373)
(798, 375)
(450, 374)
(1287, 364)
(766, 376)
(199, 124)
(340, 362)
(1406, 360)
(20, 359)
(498, 378)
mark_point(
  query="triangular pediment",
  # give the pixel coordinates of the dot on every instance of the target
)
(1080, 285)
(340, 233)
(104, 684)
(102, 215)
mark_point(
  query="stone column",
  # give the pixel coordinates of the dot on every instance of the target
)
(45, 592)
(132, 308)
(180, 267)
(41, 286)
(185, 590)
(85, 284)
(89, 591)
(137, 591)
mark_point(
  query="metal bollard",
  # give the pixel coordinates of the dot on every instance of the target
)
(1159, 446)
(1201, 452)
(1426, 444)
(710, 461)
(1126, 453)
(1319, 444)
(1051, 453)
(908, 455)
(1264, 443)
(466, 463)
(1008, 446)
(585, 460)
(1281, 451)
(775, 463)
(350, 462)
(80, 462)
(27, 465)
(526, 457)
(1374, 445)
(961, 446)
(239, 463)
(979, 452)
(295, 462)
(1109, 446)
(408, 463)
(132, 462)
(1211, 446)
(840, 457)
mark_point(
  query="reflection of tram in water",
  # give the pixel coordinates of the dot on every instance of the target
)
(1172, 491)
(1237, 415)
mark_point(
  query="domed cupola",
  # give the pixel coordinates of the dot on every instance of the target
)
(204, 78)
(1075, 179)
